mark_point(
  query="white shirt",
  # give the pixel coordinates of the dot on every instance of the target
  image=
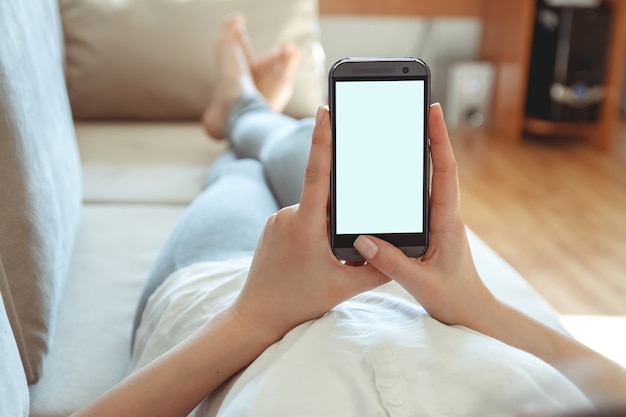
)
(378, 354)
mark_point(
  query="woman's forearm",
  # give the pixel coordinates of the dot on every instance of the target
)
(602, 380)
(177, 381)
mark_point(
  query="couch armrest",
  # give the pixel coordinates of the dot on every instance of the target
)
(40, 178)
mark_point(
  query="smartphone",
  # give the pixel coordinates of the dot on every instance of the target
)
(380, 175)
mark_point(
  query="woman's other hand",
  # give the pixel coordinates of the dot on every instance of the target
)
(294, 276)
(445, 280)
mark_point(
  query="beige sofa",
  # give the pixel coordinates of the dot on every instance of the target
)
(87, 198)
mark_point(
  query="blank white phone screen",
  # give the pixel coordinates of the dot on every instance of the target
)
(379, 156)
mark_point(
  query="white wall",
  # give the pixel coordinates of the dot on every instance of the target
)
(439, 42)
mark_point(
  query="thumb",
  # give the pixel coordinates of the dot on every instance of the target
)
(388, 259)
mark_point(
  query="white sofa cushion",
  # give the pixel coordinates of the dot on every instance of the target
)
(115, 248)
(133, 162)
(146, 59)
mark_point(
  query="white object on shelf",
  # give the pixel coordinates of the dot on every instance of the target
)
(469, 91)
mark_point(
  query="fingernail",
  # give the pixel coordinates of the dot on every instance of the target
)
(437, 104)
(320, 115)
(366, 247)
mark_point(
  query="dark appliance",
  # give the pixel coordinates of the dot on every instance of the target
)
(568, 62)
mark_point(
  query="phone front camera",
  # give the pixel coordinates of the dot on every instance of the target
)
(405, 69)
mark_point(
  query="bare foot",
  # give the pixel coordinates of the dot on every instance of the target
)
(233, 76)
(274, 73)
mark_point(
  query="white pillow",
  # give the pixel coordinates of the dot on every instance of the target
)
(152, 59)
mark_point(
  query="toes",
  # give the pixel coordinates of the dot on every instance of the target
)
(246, 45)
(232, 27)
(234, 23)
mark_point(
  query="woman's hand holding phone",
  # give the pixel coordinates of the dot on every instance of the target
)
(446, 283)
(444, 280)
(294, 276)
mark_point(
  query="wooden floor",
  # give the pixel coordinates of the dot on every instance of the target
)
(554, 209)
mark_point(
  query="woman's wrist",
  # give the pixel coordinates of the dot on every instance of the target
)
(488, 314)
(258, 333)
(224, 346)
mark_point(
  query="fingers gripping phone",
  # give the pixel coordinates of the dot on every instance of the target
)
(380, 166)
